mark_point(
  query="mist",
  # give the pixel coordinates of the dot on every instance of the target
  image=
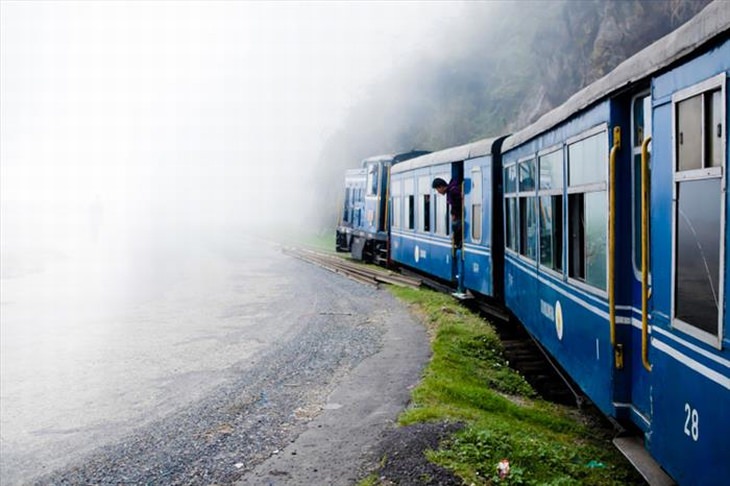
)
(134, 126)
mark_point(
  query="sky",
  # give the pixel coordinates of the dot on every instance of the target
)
(181, 112)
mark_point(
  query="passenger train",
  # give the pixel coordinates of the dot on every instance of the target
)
(603, 228)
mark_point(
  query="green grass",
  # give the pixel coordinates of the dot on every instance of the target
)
(468, 380)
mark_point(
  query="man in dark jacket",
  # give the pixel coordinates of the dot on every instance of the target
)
(452, 190)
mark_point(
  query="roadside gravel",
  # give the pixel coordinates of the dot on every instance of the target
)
(270, 399)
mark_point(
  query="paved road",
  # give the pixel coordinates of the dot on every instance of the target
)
(193, 366)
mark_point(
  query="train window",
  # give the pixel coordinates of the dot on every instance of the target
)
(551, 232)
(587, 160)
(588, 209)
(511, 223)
(550, 194)
(410, 210)
(699, 220)
(510, 179)
(698, 253)
(372, 181)
(527, 175)
(551, 170)
(396, 212)
(511, 204)
(640, 130)
(528, 227)
(476, 204)
(426, 212)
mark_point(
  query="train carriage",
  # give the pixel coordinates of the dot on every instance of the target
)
(367, 237)
(615, 207)
(421, 229)
(352, 208)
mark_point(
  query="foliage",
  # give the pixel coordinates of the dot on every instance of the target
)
(468, 380)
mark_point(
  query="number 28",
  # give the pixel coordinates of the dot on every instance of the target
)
(692, 422)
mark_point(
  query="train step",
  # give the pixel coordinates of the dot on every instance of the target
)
(633, 448)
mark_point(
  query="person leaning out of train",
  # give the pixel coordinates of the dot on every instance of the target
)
(452, 190)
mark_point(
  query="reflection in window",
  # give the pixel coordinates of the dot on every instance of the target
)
(527, 175)
(698, 253)
(587, 160)
(551, 170)
(699, 141)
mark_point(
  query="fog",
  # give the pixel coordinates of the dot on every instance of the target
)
(139, 124)
(140, 143)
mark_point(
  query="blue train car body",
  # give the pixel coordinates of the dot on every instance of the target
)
(368, 235)
(353, 205)
(421, 231)
(603, 228)
(656, 358)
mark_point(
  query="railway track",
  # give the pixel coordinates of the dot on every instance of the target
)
(360, 272)
(524, 354)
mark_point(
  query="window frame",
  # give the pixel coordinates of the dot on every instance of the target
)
(704, 173)
(477, 169)
(560, 147)
(585, 189)
(506, 198)
(527, 195)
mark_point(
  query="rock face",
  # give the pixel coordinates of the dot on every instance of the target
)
(501, 66)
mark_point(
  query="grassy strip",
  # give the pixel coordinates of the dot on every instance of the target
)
(469, 381)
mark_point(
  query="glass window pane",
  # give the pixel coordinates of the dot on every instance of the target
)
(527, 175)
(510, 179)
(528, 227)
(551, 232)
(689, 133)
(426, 220)
(714, 129)
(372, 183)
(637, 211)
(596, 227)
(576, 237)
(551, 170)
(698, 253)
(511, 223)
(476, 223)
(588, 159)
(410, 211)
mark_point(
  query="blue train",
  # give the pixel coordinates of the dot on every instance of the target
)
(603, 228)
(364, 223)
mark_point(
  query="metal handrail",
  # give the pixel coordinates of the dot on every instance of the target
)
(612, 235)
(645, 254)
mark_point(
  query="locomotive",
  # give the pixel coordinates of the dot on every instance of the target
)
(602, 227)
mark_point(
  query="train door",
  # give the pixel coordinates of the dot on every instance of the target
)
(637, 316)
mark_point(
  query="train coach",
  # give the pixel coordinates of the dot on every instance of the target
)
(364, 223)
(421, 230)
(615, 210)
(603, 228)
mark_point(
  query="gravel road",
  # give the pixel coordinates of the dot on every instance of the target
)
(307, 407)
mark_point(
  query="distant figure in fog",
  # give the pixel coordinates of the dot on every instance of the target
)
(452, 190)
